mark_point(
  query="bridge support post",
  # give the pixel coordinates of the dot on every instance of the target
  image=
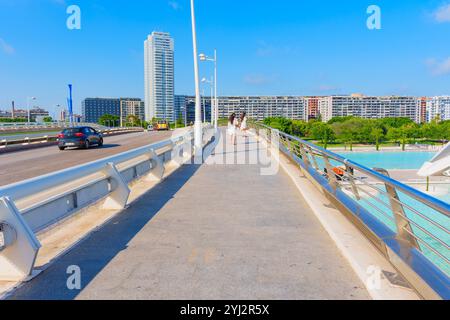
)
(331, 175)
(157, 172)
(118, 198)
(304, 155)
(18, 244)
(313, 157)
(351, 179)
(404, 229)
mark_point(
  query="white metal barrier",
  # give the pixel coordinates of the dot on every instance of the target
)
(5, 143)
(35, 205)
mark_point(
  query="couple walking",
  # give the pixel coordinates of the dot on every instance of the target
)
(234, 124)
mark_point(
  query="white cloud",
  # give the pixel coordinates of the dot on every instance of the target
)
(174, 5)
(442, 14)
(439, 68)
(257, 79)
(268, 50)
(6, 48)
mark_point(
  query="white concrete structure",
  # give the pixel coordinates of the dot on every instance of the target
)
(369, 107)
(438, 106)
(159, 76)
(438, 166)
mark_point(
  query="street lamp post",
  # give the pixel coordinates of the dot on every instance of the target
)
(211, 83)
(28, 107)
(204, 57)
(198, 137)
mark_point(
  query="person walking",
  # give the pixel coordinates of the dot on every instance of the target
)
(232, 128)
(244, 126)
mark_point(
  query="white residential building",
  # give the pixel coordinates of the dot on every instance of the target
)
(438, 106)
(159, 76)
(369, 107)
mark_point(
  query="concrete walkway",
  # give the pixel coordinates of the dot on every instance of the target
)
(208, 232)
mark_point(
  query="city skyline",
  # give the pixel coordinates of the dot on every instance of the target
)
(250, 51)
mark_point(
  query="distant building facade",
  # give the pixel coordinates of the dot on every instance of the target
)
(93, 108)
(159, 77)
(438, 107)
(132, 107)
(35, 113)
(369, 107)
(257, 108)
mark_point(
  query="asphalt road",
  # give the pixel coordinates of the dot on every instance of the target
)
(18, 166)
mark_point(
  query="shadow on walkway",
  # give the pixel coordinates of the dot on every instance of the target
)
(95, 252)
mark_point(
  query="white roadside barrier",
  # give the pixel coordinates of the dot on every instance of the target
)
(33, 206)
(16, 144)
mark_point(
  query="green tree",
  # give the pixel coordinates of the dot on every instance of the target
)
(323, 132)
(108, 120)
(299, 128)
(401, 134)
(377, 134)
(349, 131)
(133, 120)
(48, 119)
(180, 121)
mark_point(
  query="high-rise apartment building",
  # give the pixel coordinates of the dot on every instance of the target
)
(369, 107)
(159, 77)
(93, 108)
(257, 108)
(438, 107)
(131, 107)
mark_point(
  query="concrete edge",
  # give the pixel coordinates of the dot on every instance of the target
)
(138, 189)
(364, 258)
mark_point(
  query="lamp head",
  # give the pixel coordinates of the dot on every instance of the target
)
(202, 57)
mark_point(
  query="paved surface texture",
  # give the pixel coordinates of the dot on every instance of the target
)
(208, 232)
(22, 165)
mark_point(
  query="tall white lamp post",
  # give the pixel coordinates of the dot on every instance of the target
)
(198, 137)
(204, 57)
(211, 83)
(28, 107)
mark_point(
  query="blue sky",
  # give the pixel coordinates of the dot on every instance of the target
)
(283, 47)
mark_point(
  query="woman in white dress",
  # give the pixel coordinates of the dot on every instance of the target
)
(244, 127)
(232, 126)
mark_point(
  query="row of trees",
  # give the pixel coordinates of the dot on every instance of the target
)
(16, 120)
(353, 130)
(134, 121)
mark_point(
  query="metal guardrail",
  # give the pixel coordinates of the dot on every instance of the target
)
(409, 227)
(4, 143)
(7, 126)
(33, 206)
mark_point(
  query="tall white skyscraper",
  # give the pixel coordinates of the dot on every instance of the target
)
(159, 77)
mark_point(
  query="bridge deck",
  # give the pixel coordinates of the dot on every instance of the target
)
(208, 232)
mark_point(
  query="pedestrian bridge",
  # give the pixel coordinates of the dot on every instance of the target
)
(261, 220)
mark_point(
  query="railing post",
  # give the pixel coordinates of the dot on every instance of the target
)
(120, 192)
(20, 245)
(404, 229)
(157, 171)
(304, 155)
(350, 172)
(316, 166)
(330, 173)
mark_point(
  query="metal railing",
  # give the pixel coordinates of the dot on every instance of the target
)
(33, 206)
(409, 227)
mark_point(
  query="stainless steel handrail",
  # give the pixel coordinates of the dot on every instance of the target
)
(419, 240)
(436, 204)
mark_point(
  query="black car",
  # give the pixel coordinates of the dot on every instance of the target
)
(79, 137)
